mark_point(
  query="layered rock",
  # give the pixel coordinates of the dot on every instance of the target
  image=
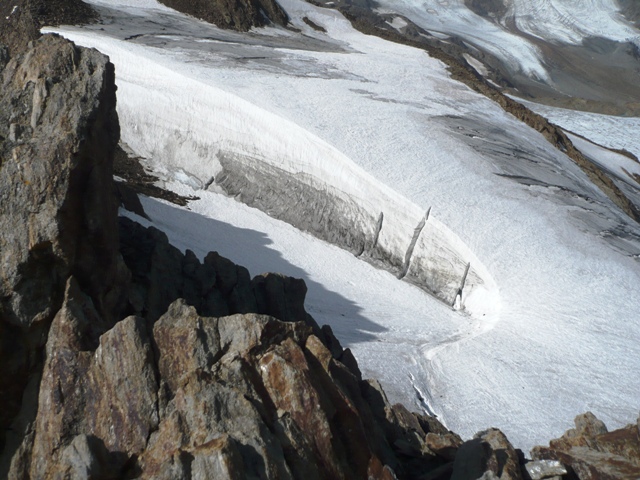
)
(239, 15)
(58, 131)
(591, 452)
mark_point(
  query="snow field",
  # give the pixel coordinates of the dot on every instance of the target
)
(566, 21)
(184, 126)
(570, 21)
(563, 336)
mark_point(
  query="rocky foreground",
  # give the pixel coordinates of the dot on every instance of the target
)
(122, 357)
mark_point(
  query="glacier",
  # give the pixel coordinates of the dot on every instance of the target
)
(548, 327)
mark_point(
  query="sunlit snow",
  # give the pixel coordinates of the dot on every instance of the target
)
(568, 21)
(556, 334)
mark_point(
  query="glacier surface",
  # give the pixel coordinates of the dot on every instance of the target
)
(550, 327)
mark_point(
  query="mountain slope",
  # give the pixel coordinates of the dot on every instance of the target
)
(563, 257)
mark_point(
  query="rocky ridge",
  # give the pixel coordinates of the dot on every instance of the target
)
(125, 358)
(21, 20)
(241, 15)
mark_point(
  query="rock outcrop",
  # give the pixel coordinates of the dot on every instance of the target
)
(21, 20)
(239, 15)
(58, 131)
(591, 452)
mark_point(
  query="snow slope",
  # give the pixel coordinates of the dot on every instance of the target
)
(566, 21)
(607, 130)
(570, 21)
(386, 124)
(454, 18)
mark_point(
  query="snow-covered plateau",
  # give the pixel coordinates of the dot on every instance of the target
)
(370, 146)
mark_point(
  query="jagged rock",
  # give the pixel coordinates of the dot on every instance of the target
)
(216, 287)
(58, 130)
(232, 14)
(489, 455)
(445, 445)
(255, 369)
(280, 296)
(250, 396)
(105, 388)
(20, 20)
(588, 427)
(590, 452)
(58, 213)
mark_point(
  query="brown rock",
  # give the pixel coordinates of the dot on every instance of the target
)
(58, 130)
(591, 452)
(489, 455)
(445, 446)
(122, 402)
(377, 471)
(218, 458)
(232, 14)
(186, 342)
(60, 216)
(287, 379)
(108, 392)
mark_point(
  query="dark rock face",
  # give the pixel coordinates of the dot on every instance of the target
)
(590, 452)
(488, 455)
(216, 287)
(20, 20)
(239, 15)
(58, 131)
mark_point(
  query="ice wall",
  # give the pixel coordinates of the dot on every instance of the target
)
(207, 137)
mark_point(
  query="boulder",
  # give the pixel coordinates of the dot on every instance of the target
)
(99, 385)
(489, 455)
(590, 452)
(443, 445)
